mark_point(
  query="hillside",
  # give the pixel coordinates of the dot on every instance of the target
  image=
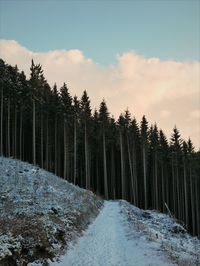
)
(44, 221)
(39, 212)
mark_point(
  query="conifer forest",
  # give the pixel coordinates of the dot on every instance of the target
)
(117, 159)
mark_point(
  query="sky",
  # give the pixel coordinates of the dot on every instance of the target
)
(143, 55)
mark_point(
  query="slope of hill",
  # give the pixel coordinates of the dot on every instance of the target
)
(39, 212)
(42, 216)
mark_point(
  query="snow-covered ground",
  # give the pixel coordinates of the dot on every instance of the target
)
(44, 219)
(123, 235)
(164, 232)
(40, 213)
(108, 242)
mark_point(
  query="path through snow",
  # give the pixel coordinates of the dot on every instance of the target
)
(107, 242)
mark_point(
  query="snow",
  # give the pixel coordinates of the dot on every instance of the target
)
(160, 228)
(108, 242)
(39, 211)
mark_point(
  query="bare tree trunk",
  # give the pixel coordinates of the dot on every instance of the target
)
(163, 187)
(135, 178)
(113, 185)
(185, 195)
(47, 143)
(2, 121)
(75, 150)
(131, 171)
(178, 191)
(97, 174)
(59, 157)
(55, 148)
(173, 199)
(192, 202)
(42, 141)
(105, 166)
(15, 134)
(156, 180)
(20, 133)
(145, 178)
(65, 151)
(8, 127)
(122, 166)
(34, 150)
(197, 207)
(86, 159)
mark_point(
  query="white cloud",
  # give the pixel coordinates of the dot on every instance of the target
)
(164, 113)
(195, 114)
(168, 92)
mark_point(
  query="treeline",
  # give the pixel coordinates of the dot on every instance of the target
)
(117, 159)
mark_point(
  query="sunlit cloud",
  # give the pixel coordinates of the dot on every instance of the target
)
(167, 92)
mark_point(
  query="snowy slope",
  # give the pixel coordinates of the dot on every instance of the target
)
(39, 212)
(42, 216)
(163, 231)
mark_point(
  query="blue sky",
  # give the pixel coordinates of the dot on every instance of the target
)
(102, 29)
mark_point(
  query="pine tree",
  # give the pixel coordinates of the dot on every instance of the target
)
(163, 158)
(76, 114)
(86, 117)
(154, 142)
(135, 140)
(121, 125)
(103, 118)
(127, 120)
(175, 147)
(144, 144)
(2, 82)
(66, 101)
(36, 82)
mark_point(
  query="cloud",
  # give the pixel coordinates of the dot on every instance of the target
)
(167, 92)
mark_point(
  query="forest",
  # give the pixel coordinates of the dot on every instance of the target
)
(116, 159)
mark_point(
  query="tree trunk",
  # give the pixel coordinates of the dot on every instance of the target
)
(20, 133)
(131, 171)
(135, 178)
(55, 148)
(105, 166)
(156, 180)
(42, 141)
(47, 144)
(173, 199)
(75, 150)
(145, 177)
(65, 151)
(163, 186)
(192, 202)
(122, 166)
(2, 121)
(185, 194)
(34, 151)
(8, 127)
(113, 185)
(86, 160)
(15, 134)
